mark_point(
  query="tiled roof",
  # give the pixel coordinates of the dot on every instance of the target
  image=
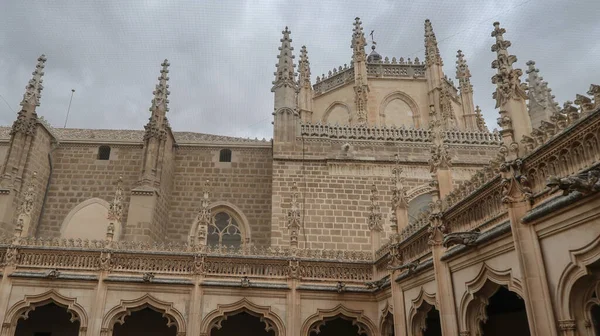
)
(105, 135)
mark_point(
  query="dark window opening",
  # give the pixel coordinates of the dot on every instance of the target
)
(103, 152)
(242, 323)
(506, 315)
(225, 155)
(47, 320)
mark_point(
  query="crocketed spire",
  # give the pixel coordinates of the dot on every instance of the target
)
(27, 117)
(304, 68)
(541, 103)
(358, 41)
(158, 123)
(33, 90)
(285, 75)
(463, 74)
(507, 80)
(432, 52)
(161, 93)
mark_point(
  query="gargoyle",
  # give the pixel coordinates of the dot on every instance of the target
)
(585, 183)
(377, 284)
(411, 266)
(461, 238)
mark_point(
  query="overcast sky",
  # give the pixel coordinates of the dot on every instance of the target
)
(223, 52)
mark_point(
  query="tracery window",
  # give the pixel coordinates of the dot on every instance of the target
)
(224, 231)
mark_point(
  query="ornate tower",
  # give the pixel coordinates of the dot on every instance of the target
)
(433, 73)
(305, 91)
(359, 60)
(463, 74)
(156, 131)
(541, 103)
(145, 221)
(510, 96)
(29, 149)
(285, 90)
(23, 130)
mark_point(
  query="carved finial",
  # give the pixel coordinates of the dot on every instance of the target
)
(463, 74)
(161, 92)
(481, 126)
(294, 216)
(304, 68)
(358, 40)
(28, 200)
(398, 189)
(285, 75)
(375, 217)
(507, 80)
(432, 52)
(115, 207)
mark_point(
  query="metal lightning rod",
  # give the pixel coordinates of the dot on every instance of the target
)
(69, 109)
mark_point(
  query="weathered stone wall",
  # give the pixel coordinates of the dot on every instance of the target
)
(244, 183)
(335, 187)
(78, 176)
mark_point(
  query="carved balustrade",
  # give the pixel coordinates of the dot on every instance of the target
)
(383, 133)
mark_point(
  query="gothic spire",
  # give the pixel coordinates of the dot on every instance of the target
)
(33, 90)
(161, 93)
(358, 41)
(304, 68)
(432, 52)
(27, 117)
(508, 80)
(463, 74)
(285, 75)
(158, 123)
(541, 103)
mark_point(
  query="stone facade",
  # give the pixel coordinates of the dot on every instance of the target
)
(384, 207)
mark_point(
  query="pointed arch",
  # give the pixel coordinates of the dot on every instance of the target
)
(88, 217)
(234, 212)
(21, 310)
(575, 270)
(388, 309)
(214, 319)
(416, 113)
(420, 307)
(418, 191)
(118, 313)
(331, 107)
(358, 318)
(478, 291)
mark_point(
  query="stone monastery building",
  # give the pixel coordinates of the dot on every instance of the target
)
(382, 206)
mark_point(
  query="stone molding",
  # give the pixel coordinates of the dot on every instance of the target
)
(21, 310)
(214, 319)
(317, 320)
(576, 269)
(118, 313)
(472, 308)
(420, 307)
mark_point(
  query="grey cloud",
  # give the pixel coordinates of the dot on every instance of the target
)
(223, 53)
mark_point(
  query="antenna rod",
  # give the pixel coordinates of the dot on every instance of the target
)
(69, 109)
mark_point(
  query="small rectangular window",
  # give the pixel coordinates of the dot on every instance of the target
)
(225, 155)
(103, 153)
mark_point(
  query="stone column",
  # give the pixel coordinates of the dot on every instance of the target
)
(517, 197)
(400, 327)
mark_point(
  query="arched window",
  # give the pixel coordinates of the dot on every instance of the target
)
(225, 155)
(103, 153)
(224, 230)
(417, 205)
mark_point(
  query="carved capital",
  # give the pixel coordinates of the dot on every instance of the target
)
(567, 325)
(515, 185)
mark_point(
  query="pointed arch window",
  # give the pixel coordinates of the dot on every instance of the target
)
(224, 230)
